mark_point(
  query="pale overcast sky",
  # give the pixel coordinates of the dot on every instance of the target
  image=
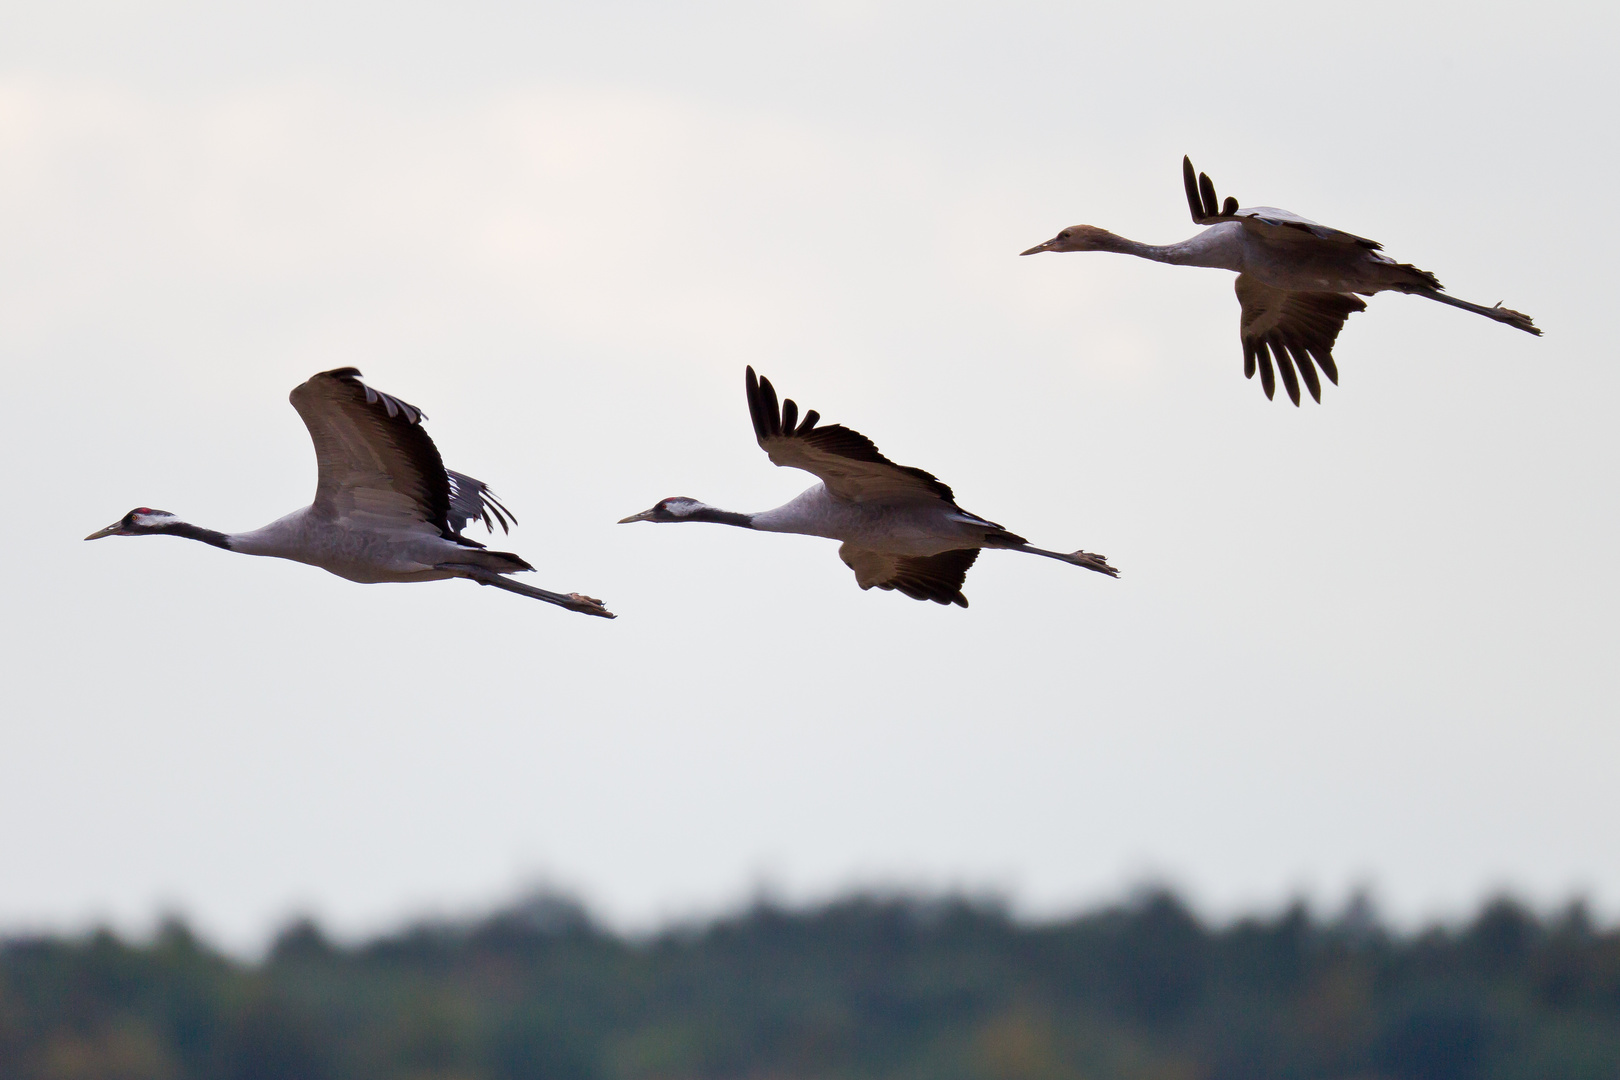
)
(1371, 641)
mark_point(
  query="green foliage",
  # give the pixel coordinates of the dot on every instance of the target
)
(869, 987)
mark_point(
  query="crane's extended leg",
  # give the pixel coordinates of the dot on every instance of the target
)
(1074, 558)
(579, 602)
(1501, 314)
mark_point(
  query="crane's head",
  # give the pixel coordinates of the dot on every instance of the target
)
(675, 508)
(141, 521)
(1076, 238)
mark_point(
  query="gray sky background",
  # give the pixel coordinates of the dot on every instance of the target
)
(1371, 641)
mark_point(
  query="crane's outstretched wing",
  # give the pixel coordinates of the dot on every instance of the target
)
(375, 463)
(471, 500)
(846, 461)
(1267, 221)
(1296, 328)
(935, 577)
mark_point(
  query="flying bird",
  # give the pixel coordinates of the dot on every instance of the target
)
(901, 528)
(1297, 280)
(385, 509)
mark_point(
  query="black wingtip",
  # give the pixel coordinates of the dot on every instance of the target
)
(1189, 180)
(1268, 378)
(756, 405)
(1330, 368)
(1285, 368)
(1307, 372)
(766, 410)
(1206, 188)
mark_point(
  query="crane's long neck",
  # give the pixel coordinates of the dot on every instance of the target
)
(1216, 247)
(195, 532)
(716, 516)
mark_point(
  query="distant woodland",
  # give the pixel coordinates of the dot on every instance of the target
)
(878, 987)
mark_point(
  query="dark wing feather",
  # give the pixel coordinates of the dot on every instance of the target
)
(934, 577)
(1268, 221)
(471, 500)
(374, 461)
(1296, 328)
(1206, 208)
(1189, 181)
(846, 461)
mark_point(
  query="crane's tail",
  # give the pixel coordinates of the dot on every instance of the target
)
(579, 602)
(1516, 319)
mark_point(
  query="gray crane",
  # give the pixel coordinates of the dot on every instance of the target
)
(385, 509)
(901, 528)
(1297, 281)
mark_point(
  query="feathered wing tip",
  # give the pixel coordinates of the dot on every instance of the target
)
(937, 578)
(394, 406)
(933, 577)
(1291, 335)
(773, 419)
(1201, 198)
(494, 507)
(472, 500)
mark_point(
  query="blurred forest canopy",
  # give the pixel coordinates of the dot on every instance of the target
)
(868, 986)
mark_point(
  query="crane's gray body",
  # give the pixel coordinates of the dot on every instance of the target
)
(401, 552)
(901, 527)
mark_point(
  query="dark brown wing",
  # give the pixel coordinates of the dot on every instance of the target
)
(1267, 221)
(1294, 327)
(375, 463)
(934, 577)
(846, 461)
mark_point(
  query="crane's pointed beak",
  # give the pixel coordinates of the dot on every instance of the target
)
(645, 515)
(1038, 248)
(111, 530)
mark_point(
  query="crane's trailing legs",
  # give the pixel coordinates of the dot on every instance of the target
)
(579, 602)
(1517, 319)
(1073, 558)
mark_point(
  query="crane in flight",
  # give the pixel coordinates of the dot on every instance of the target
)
(385, 509)
(900, 527)
(1297, 282)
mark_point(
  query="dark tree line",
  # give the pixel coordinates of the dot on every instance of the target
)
(900, 988)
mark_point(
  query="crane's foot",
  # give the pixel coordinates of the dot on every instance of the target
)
(589, 605)
(1513, 318)
(1092, 562)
